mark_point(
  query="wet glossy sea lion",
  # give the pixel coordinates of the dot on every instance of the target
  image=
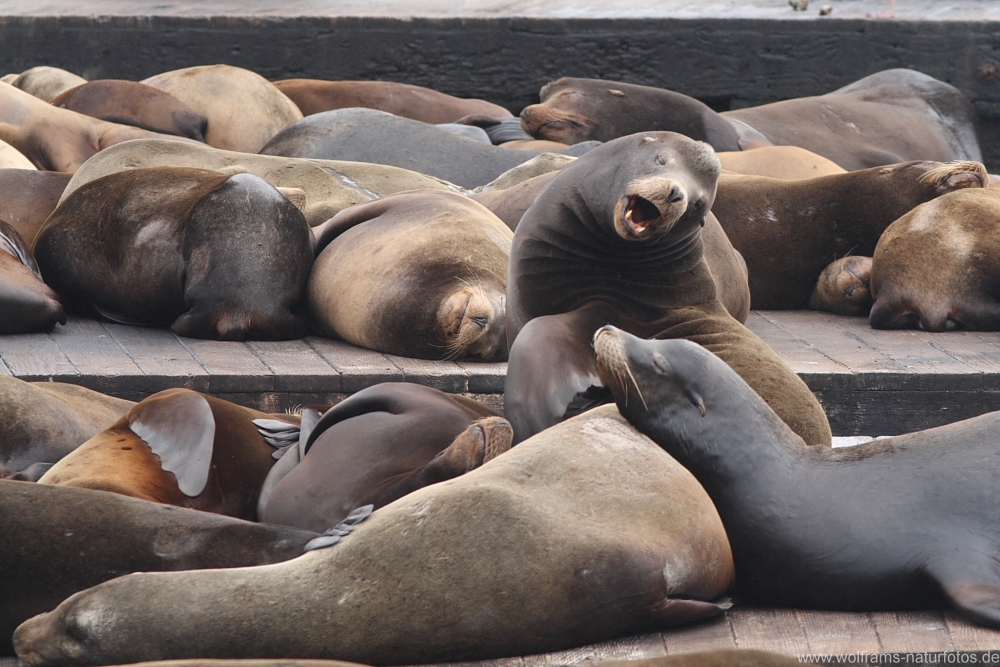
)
(789, 231)
(366, 135)
(177, 447)
(937, 267)
(899, 523)
(132, 103)
(785, 162)
(44, 421)
(208, 254)
(28, 305)
(28, 197)
(844, 287)
(420, 274)
(616, 237)
(11, 158)
(46, 82)
(586, 532)
(377, 446)
(314, 96)
(244, 109)
(329, 186)
(57, 541)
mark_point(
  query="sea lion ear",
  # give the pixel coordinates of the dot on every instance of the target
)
(180, 429)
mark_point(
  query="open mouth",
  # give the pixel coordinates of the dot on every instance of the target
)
(640, 217)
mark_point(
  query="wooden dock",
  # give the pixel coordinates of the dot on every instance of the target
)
(870, 382)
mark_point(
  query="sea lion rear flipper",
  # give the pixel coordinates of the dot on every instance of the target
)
(971, 581)
(551, 362)
(180, 429)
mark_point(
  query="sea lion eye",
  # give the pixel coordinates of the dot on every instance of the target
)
(660, 364)
(660, 160)
(481, 322)
(698, 205)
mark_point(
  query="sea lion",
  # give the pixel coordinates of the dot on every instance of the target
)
(617, 237)
(585, 532)
(27, 303)
(244, 109)
(28, 197)
(789, 163)
(11, 158)
(57, 139)
(57, 541)
(937, 267)
(376, 446)
(177, 447)
(132, 103)
(208, 254)
(544, 163)
(46, 82)
(366, 135)
(898, 523)
(44, 421)
(330, 186)
(789, 231)
(314, 96)
(419, 274)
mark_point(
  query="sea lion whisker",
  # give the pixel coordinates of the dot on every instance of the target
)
(637, 390)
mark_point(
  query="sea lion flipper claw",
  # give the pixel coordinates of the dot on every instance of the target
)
(971, 584)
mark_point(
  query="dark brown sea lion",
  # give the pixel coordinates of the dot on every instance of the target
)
(616, 237)
(57, 541)
(28, 305)
(937, 268)
(366, 135)
(244, 109)
(420, 274)
(789, 163)
(900, 523)
(57, 139)
(211, 255)
(844, 287)
(585, 532)
(27, 198)
(132, 103)
(45, 421)
(789, 231)
(377, 446)
(177, 447)
(401, 99)
(46, 82)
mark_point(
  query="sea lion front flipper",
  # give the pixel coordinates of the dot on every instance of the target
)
(551, 362)
(971, 581)
(180, 429)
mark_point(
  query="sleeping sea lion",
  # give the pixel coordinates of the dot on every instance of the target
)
(616, 237)
(132, 103)
(419, 274)
(208, 254)
(46, 82)
(27, 303)
(366, 135)
(585, 532)
(899, 523)
(376, 446)
(937, 268)
(177, 447)
(28, 197)
(314, 96)
(244, 110)
(57, 541)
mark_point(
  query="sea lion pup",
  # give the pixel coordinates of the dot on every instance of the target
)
(46, 82)
(366, 135)
(844, 287)
(11, 158)
(57, 541)
(377, 446)
(314, 96)
(244, 110)
(57, 139)
(208, 254)
(585, 532)
(789, 231)
(28, 197)
(419, 274)
(900, 523)
(617, 237)
(177, 447)
(789, 163)
(330, 186)
(45, 421)
(27, 303)
(132, 103)
(937, 268)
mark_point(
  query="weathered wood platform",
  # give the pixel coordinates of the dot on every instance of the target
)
(870, 382)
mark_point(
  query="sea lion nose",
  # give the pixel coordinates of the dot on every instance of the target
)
(676, 195)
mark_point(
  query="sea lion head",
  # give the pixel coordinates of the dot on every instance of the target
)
(484, 440)
(62, 637)
(561, 115)
(473, 323)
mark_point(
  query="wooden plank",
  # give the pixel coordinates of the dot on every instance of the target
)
(712, 634)
(37, 357)
(968, 637)
(359, 368)
(817, 370)
(912, 632)
(232, 366)
(296, 366)
(635, 647)
(830, 632)
(443, 375)
(102, 363)
(776, 630)
(161, 358)
(893, 412)
(485, 377)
